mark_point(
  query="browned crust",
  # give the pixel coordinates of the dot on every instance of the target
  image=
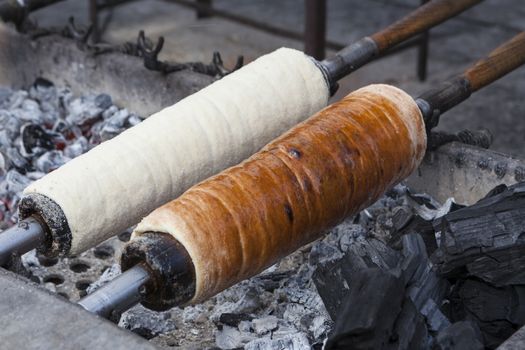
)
(336, 163)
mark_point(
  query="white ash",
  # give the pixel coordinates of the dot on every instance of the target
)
(264, 325)
(108, 275)
(45, 127)
(30, 259)
(427, 207)
(147, 324)
(294, 341)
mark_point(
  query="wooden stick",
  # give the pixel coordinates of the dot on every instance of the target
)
(498, 63)
(424, 17)
(368, 48)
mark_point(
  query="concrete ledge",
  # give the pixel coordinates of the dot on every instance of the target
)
(33, 318)
(465, 172)
(121, 76)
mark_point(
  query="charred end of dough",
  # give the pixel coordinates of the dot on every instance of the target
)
(170, 265)
(48, 212)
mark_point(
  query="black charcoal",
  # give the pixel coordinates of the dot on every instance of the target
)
(5, 94)
(436, 320)
(33, 136)
(410, 329)
(498, 312)
(485, 240)
(367, 317)
(333, 280)
(103, 101)
(233, 320)
(463, 335)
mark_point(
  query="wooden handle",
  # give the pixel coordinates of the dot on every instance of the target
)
(499, 62)
(432, 13)
(365, 50)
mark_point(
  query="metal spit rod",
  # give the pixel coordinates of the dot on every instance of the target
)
(25, 236)
(119, 295)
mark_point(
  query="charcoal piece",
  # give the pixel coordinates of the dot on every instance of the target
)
(50, 161)
(29, 111)
(374, 252)
(146, 323)
(410, 330)
(486, 302)
(517, 314)
(15, 182)
(275, 276)
(402, 218)
(233, 320)
(407, 223)
(46, 94)
(415, 257)
(229, 338)
(103, 101)
(423, 284)
(333, 281)
(109, 112)
(334, 277)
(16, 265)
(11, 127)
(503, 267)
(78, 147)
(134, 120)
(34, 136)
(435, 319)
(42, 83)
(499, 312)
(83, 111)
(5, 94)
(61, 126)
(16, 99)
(118, 119)
(496, 190)
(485, 240)
(367, 317)
(264, 325)
(428, 287)
(108, 275)
(463, 335)
(323, 252)
(17, 161)
(3, 165)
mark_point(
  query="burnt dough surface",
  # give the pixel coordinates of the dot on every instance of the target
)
(336, 163)
(113, 186)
